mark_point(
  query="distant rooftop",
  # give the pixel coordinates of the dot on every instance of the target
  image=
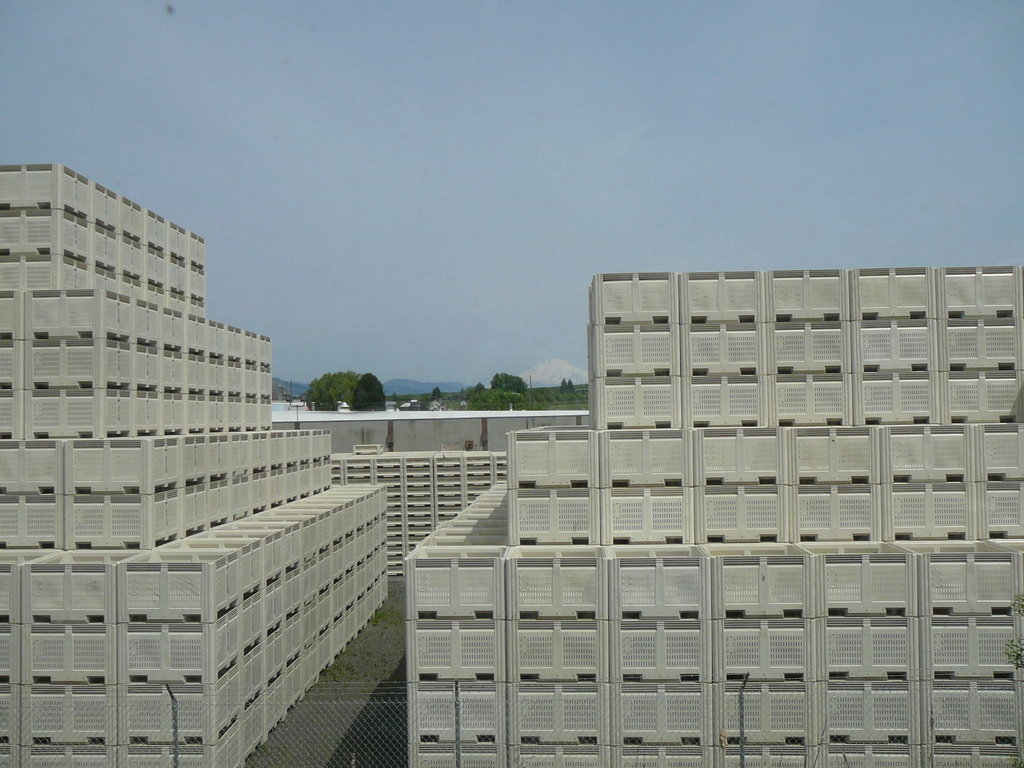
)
(291, 415)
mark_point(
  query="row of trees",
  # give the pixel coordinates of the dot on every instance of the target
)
(362, 392)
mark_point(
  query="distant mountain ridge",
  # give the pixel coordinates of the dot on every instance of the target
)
(413, 387)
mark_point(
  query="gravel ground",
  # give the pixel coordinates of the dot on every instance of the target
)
(355, 715)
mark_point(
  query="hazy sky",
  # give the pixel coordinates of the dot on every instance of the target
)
(424, 189)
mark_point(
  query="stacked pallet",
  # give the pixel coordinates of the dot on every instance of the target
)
(425, 488)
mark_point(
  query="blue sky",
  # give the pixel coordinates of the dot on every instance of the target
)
(424, 189)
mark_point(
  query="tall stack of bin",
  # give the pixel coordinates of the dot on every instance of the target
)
(147, 510)
(805, 488)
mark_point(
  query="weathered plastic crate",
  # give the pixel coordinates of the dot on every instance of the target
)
(872, 713)
(565, 651)
(432, 716)
(178, 652)
(470, 755)
(984, 396)
(661, 457)
(12, 364)
(946, 755)
(643, 402)
(981, 344)
(11, 565)
(767, 649)
(807, 348)
(837, 513)
(764, 755)
(69, 653)
(87, 363)
(773, 713)
(895, 345)
(10, 711)
(651, 714)
(742, 513)
(557, 582)
(147, 416)
(806, 400)
(129, 521)
(898, 398)
(12, 312)
(893, 293)
(32, 466)
(874, 648)
(928, 511)
(814, 294)
(629, 756)
(722, 297)
(34, 231)
(830, 455)
(68, 714)
(10, 654)
(659, 582)
(77, 314)
(204, 712)
(739, 455)
(560, 756)
(634, 350)
(142, 465)
(12, 414)
(647, 515)
(724, 401)
(967, 646)
(921, 454)
(77, 413)
(965, 578)
(864, 579)
(66, 587)
(70, 755)
(464, 583)
(46, 187)
(661, 650)
(975, 711)
(760, 580)
(559, 713)
(455, 650)
(999, 451)
(1000, 509)
(551, 458)
(643, 297)
(562, 516)
(32, 520)
(723, 349)
(979, 292)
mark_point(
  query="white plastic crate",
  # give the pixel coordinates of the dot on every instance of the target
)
(559, 713)
(69, 756)
(760, 580)
(643, 297)
(645, 457)
(142, 465)
(895, 345)
(898, 398)
(934, 453)
(32, 520)
(659, 583)
(562, 516)
(68, 714)
(928, 511)
(558, 650)
(661, 650)
(999, 449)
(68, 653)
(858, 755)
(837, 513)
(77, 413)
(809, 400)
(875, 648)
(773, 713)
(848, 455)
(66, 587)
(557, 582)
(449, 583)
(984, 396)
(31, 231)
(896, 293)
(32, 466)
(87, 363)
(204, 711)
(53, 187)
(767, 649)
(872, 713)
(979, 291)
(964, 578)
(12, 364)
(11, 564)
(976, 711)
(981, 344)
(661, 713)
(723, 349)
(742, 513)
(443, 756)
(864, 579)
(129, 521)
(723, 401)
(807, 348)
(945, 755)
(550, 458)
(967, 646)
(634, 350)
(722, 297)
(636, 402)
(146, 366)
(663, 757)
(739, 455)
(647, 515)
(560, 756)
(178, 652)
(146, 413)
(815, 294)
(77, 314)
(10, 654)
(482, 714)
(455, 650)
(12, 313)
(1000, 509)
(12, 413)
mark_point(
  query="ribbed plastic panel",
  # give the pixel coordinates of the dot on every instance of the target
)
(661, 650)
(741, 455)
(636, 402)
(10, 654)
(661, 714)
(77, 413)
(68, 714)
(29, 231)
(742, 513)
(44, 187)
(981, 344)
(562, 516)
(895, 345)
(967, 647)
(820, 399)
(552, 458)
(830, 455)
(945, 755)
(1000, 509)
(443, 756)
(647, 515)
(204, 711)
(893, 293)
(32, 520)
(898, 398)
(773, 713)
(560, 713)
(456, 583)
(760, 581)
(928, 511)
(816, 294)
(12, 312)
(482, 715)
(634, 350)
(455, 650)
(178, 653)
(77, 314)
(837, 513)
(69, 756)
(872, 712)
(807, 348)
(12, 414)
(723, 349)
(725, 401)
(66, 587)
(557, 582)
(566, 651)
(663, 757)
(560, 756)
(979, 291)
(659, 583)
(984, 396)
(124, 465)
(999, 449)
(975, 711)
(32, 271)
(122, 520)
(965, 579)
(864, 579)
(870, 648)
(69, 653)
(645, 297)
(767, 649)
(764, 756)
(932, 453)
(722, 297)
(662, 457)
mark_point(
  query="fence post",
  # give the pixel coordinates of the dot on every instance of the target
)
(174, 723)
(743, 731)
(458, 728)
